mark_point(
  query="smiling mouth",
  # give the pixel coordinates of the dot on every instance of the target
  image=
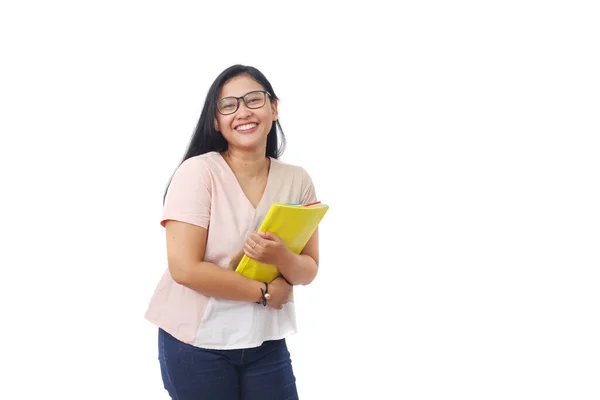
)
(246, 127)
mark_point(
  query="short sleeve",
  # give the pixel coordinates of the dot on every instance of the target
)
(189, 195)
(309, 194)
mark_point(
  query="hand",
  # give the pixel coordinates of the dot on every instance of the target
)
(267, 248)
(280, 292)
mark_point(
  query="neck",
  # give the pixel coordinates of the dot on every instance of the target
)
(246, 164)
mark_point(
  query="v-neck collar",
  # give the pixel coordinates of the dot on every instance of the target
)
(265, 192)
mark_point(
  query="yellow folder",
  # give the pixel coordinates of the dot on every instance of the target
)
(294, 224)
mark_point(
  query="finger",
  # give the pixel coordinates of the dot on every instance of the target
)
(252, 244)
(271, 237)
(250, 252)
(266, 235)
(265, 238)
(255, 237)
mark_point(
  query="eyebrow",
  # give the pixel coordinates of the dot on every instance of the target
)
(253, 90)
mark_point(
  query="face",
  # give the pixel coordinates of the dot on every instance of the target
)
(247, 128)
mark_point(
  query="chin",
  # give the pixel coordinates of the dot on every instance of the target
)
(250, 138)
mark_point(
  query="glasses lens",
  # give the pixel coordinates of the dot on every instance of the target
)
(255, 99)
(227, 105)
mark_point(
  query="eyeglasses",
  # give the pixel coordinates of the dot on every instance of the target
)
(253, 100)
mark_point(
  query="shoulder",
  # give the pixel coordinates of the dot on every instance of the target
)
(201, 166)
(298, 180)
(292, 171)
(202, 161)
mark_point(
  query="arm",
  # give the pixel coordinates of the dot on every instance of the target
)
(186, 245)
(301, 269)
(186, 219)
(297, 269)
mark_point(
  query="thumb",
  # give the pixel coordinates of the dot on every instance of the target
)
(267, 235)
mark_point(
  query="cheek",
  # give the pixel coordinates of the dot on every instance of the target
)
(266, 115)
(223, 122)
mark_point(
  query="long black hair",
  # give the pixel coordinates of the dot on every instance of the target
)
(206, 138)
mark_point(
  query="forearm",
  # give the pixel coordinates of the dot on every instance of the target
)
(299, 269)
(214, 281)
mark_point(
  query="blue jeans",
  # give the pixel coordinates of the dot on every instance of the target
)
(189, 372)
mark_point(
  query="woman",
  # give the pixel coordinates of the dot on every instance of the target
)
(222, 335)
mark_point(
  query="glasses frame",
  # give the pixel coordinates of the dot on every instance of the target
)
(237, 101)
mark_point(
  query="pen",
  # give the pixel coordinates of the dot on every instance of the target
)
(311, 204)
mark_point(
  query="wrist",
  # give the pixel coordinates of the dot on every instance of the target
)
(253, 290)
(264, 294)
(288, 259)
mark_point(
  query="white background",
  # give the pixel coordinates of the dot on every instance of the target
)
(456, 143)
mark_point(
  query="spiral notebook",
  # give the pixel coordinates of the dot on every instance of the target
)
(294, 224)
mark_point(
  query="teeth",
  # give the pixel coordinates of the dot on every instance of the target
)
(245, 127)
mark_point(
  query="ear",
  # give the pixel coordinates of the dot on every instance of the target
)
(274, 104)
(216, 125)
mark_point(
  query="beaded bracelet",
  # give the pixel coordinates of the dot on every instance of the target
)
(264, 295)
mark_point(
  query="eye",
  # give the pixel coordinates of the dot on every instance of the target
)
(254, 99)
(227, 104)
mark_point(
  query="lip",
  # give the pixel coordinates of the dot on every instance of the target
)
(245, 123)
(246, 130)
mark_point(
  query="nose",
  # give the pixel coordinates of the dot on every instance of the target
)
(243, 111)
